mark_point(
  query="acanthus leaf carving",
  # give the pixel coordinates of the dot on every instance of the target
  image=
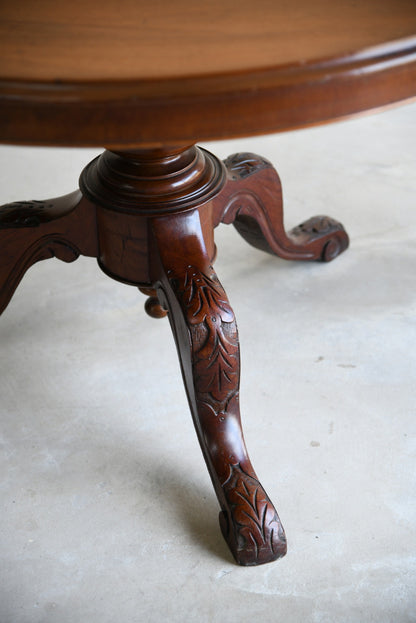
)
(316, 227)
(23, 214)
(214, 336)
(257, 528)
(244, 164)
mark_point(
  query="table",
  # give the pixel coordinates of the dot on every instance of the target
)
(148, 82)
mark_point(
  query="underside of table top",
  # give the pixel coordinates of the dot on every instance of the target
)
(141, 74)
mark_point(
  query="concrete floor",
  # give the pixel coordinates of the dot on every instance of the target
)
(108, 514)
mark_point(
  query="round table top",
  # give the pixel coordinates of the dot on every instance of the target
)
(136, 73)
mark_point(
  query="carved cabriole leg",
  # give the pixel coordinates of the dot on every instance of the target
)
(252, 201)
(36, 230)
(206, 336)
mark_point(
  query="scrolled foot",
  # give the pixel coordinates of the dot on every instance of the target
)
(252, 201)
(324, 231)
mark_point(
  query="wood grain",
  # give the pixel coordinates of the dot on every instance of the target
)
(87, 40)
(150, 74)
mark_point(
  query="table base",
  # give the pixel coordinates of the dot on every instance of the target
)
(149, 216)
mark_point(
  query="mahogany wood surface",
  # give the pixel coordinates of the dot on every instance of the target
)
(207, 340)
(157, 77)
(91, 41)
(156, 73)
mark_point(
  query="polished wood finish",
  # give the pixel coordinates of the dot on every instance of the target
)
(147, 80)
(206, 336)
(131, 188)
(252, 200)
(90, 41)
(154, 228)
(153, 74)
(31, 231)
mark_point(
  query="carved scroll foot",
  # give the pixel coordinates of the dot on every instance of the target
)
(36, 230)
(252, 201)
(206, 335)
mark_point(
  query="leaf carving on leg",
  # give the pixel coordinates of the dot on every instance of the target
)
(213, 333)
(255, 519)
